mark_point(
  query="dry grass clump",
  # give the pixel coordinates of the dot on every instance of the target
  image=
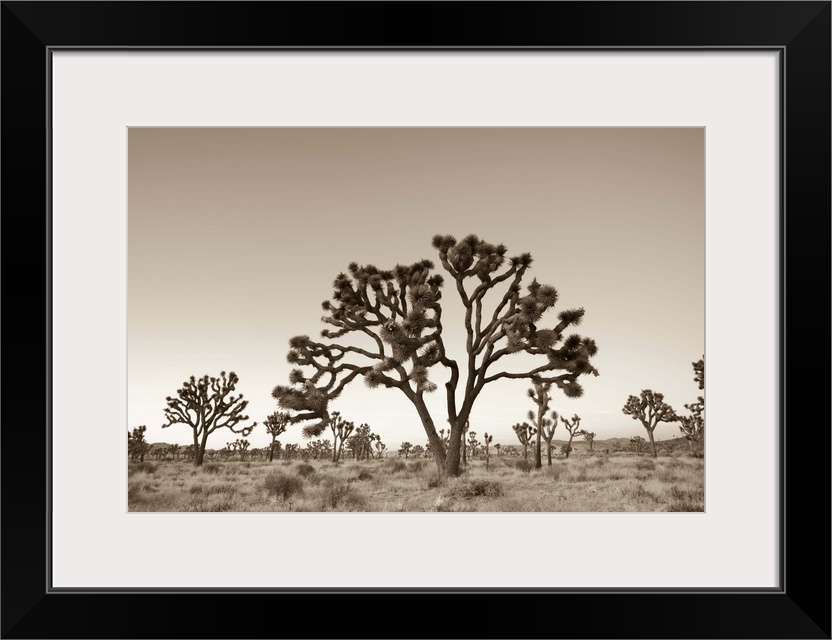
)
(282, 485)
(472, 488)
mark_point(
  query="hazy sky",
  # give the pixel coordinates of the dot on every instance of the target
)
(235, 236)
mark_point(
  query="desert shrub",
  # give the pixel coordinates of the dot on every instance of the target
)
(417, 465)
(213, 489)
(282, 485)
(523, 465)
(197, 488)
(364, 475)
(305, 470)
(554, 471)
(474, 488)
(395, 466)
(211, 468)
(338, 492)
(646, 465)
(144, 467)
(431, 477)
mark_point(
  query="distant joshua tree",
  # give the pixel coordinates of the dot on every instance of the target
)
(341, 430)
(206, 404)
(636, 443)
(276, 424)
(473, 443)
(405, 449)
(573, 427)
(524, 432)
(380, 448)
(650, 409)
(548, 432)
(137, 446)
(487, 440)
(540, 395)
(589, 436)
(693, 426)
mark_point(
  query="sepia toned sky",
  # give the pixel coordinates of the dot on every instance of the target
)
(235, 237)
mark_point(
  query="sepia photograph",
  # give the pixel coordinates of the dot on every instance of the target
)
(416, 320)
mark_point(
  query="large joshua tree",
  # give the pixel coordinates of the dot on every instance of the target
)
(206, 404)
(387, 328)
(650, 409)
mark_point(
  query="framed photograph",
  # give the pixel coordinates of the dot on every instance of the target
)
(184, 183)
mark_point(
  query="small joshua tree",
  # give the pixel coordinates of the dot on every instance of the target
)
(589, 436)
(473, 443)
(242, 446)
(693, 426)
(276, 424)
(573, 427)
(465, 442)
(540, 395)
(206, 404)
(548, 430)
(650, 409)
(174, 449)
(636, 443)
(341, 430)
(380, 448)
(524, 432)
(487, 440)
(497, 447)
(405, 449)
(137, 446)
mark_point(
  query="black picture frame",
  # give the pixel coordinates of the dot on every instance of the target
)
(799, 31)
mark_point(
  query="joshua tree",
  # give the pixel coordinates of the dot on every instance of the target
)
(276, 424)
(637, 442)
(693, 426)
(418, 451)
(174, 449)
(473, 443)
(241, 446)
(589, 436)
(573, 427)
(650, 409)
(497, 447)
(405, 449)
(341, 430)
(398, 313)
(544, 426)
(362, 442)
(524, 432)
(137, 446)
(380, 447)
(548, 429)
(205, 405)
(487, 439)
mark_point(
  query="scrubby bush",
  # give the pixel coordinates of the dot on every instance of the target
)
(338, 492)
(146, 467)
(211, 468)
(523, 465)
(364, 475)
(281, 485)
(473, 488)
(395, 466)
(305, 470)
(646, 465)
